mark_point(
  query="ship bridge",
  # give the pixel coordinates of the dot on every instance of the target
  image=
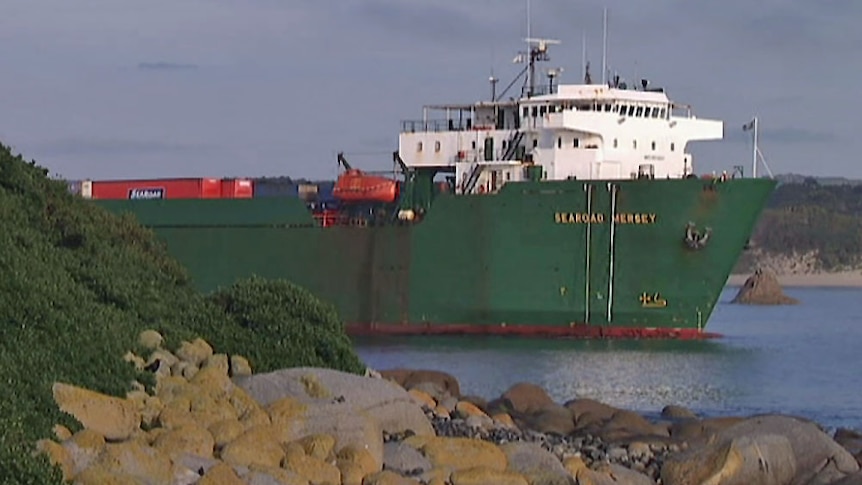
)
(569, 131)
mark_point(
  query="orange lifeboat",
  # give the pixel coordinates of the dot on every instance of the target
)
(355, 186)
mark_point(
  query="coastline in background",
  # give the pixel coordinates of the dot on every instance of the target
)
(847, 279)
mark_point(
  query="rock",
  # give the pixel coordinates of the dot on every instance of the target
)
(851, 441)
(191, 438)
(150, 339)
(319, 446)
(225, 431)
(479, 421)
(626, 425)
(463, 453)
(404, 459)
(766, 459)
(194, 352)
(537, 465)
(112, 417)
(198, 464)
(762, 288)
(220, 474)
(483, 476)
(622, 475)
(527, 398)
(465, 409)
(365, 458)
(239, 366)
(589, 411)
(817, 455)
(387, 477)
(313, 469)
(391, 406)
(84, 446)
(409, 379)
(854, 479)
(58, 456)
(61, 432)
(257, 446)
(423, 398)
(351, 473)
(574, 464)
(553, 418)
(131, 459)
(677, 412)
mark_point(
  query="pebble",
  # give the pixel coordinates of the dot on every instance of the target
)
(592, 449)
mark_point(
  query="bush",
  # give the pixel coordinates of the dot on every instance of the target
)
(77, 286)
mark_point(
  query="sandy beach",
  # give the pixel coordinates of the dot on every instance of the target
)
(850, 279)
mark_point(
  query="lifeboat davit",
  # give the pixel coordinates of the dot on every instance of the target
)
(355, 186)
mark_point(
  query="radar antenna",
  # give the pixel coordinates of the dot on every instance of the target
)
(538, 52)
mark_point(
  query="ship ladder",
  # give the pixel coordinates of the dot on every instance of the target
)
(512, 147)
(470, 183)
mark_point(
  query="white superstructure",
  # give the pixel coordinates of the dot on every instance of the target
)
(574, 131)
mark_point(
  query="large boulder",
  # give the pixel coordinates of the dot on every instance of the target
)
(440, 384)
(342, 393)
(763, 449)
(112, 417)
(762, 288)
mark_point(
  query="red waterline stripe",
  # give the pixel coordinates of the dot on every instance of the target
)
(577, 331)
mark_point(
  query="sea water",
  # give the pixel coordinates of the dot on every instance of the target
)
(803, 359)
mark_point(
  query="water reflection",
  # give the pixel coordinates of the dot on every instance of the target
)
(800, 359)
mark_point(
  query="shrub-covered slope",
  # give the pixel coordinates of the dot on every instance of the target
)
(77, 285)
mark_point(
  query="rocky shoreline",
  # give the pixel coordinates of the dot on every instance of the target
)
(209, 420)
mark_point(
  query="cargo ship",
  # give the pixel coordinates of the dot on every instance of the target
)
(563, 210)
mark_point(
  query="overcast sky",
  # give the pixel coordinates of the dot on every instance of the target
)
(163, 88)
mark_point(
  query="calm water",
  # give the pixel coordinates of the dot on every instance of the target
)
(802, 359)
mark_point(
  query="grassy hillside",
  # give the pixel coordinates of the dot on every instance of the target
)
(823, 219)
(78, 284)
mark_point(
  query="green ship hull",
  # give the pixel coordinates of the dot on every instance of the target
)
(613, 258)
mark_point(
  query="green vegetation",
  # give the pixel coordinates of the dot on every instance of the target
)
(809, 216)
(79, 284)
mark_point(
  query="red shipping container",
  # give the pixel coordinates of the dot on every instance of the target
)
(236, 189)
(200, 188)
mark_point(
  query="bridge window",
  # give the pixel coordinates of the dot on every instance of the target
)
(631, 110)
(663, 113)
(535, 111)
(436, 146)
(655, 112)
(575, 143)
(647, 112)
(640, 111)
(526, 112)
(607, 107)
(419, 147)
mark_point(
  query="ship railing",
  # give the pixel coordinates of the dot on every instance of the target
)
(441, 125)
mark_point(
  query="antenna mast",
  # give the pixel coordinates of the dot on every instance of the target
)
(584, 54)
(529, 71)
(604, 45)
(754, 149)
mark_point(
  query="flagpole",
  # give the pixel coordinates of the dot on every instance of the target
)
(754, 151)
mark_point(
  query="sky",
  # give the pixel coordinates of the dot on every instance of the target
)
(172, 88)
